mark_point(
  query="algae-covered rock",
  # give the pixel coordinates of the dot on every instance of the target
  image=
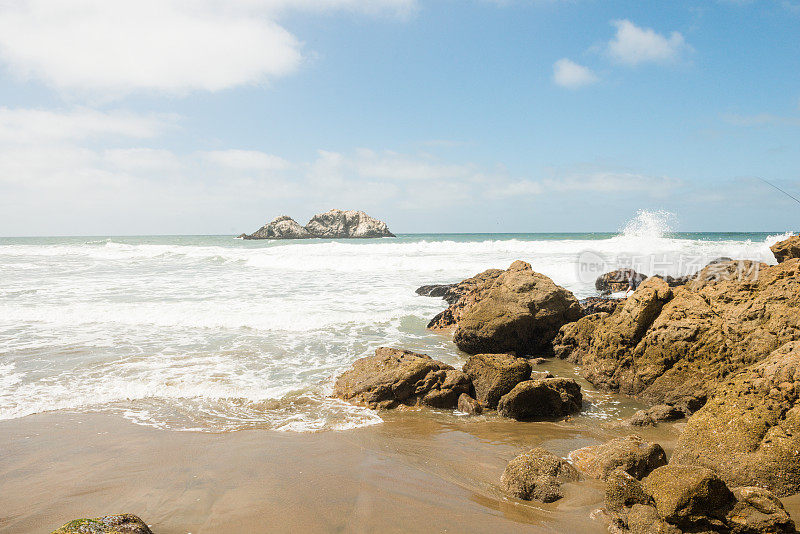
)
(494, 375)
(630, 453)
(656, 414)
(110, 524)
(787, 249)
(623, 490)
(537, 475)
(393, 377)
(749, 432)
(521, 312)
(756, 511)
(684, 495)
(543, 398)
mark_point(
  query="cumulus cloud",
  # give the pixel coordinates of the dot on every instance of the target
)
(117, 46)
(633, 45)
(569, 74)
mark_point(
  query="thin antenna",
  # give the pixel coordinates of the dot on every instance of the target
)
(779, 189)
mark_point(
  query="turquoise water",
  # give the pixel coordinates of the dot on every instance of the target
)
(212, 333)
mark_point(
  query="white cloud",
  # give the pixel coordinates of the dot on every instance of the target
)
(247, 160)
(567, 73)
(117, 46)
(611, 182)
(633, 45)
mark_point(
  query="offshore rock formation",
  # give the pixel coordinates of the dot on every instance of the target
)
(333, 224)
(110, 524)
(394, 377)
(517, 310)
(537, 475)
(786, 249)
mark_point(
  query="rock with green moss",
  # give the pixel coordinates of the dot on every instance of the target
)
(494, 375)
(110, 524)
(541, 399)
(521, 311)
(749, 432)
(537, 475)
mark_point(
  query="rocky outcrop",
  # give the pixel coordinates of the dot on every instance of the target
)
(674, 345)
(786, 249)
(749, 432)
(284, 227)
(443, 291)
(630, 453)
(110, 524)
(335, 224)
(521, 311)
(494, 375)
(394, 377)
(594, 305)
(682, 499)
(537, 475)
(541, 399)
(618, 280)
(461, 296)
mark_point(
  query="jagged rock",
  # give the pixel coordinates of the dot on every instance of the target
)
(573, 339)
(544, 398)
(786, 249)
(677, 281)
(757, 510)
(630, 453)
(336, 224)
(656, 414)
(463, 295)
(494, 375)
(445, 291)
(749, 432)
(110, 524)
(618, 280)
(675, 345)
(537, 475)
(723, 271)
(469, 405)
(521, 312)
(593, 305)
(283, 227)
(685, 495)
(393, 377)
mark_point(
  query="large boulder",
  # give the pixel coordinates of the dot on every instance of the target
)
(684, 494)
(749, 432)
(630, 453)
(543, 398)
(618, 280)
(494, 375)
(461, 296)
(787, 249)
(537, 475)
(110, 524)
(574, 339)
(394, 377)
(521, 312)
(284, 227)
(343, 224)
(757, 510)
(672, 345)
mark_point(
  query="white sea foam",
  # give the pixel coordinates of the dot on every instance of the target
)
(217, 334)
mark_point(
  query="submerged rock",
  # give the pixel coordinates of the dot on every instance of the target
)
(749, 432)
(543, 398)
(283, 227)
(520, 312)
(336, 224)
(494, 375)
(110, 524)
(618, 280)
(786, 249)
(537, 475)
(394, 377)
(630, 453)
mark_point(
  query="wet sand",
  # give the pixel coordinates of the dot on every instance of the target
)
(419, 471)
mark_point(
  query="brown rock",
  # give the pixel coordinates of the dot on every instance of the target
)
(756, 511)
(393, 377)
(593, 305)
(462, 295)
(110, 524)
(573, 339)
(786, 249)
(749, 432)
(622, 490)
(537, 475)
(545, 398)
(469, 405)
(656, 414)
(618, 280)
(494, 375)
(630, 453)
(684, 495)
(521, 312)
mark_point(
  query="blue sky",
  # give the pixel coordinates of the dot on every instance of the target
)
(168, 116)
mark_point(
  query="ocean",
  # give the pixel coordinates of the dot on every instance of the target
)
(216, 334)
